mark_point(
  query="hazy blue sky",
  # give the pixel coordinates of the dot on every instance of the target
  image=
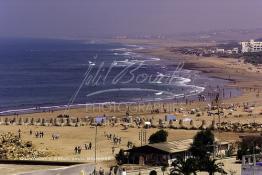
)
(83, 18)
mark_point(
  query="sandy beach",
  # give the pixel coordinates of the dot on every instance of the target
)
(241, 76)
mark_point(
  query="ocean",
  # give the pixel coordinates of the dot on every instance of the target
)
(54, 72)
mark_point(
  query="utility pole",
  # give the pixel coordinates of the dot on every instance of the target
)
(218, 102)
(95, 143)
(142, 136)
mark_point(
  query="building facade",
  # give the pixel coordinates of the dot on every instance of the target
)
(251, 46)
(165, 153)
(251, 165)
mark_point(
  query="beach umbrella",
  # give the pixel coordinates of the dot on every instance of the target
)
(170, 117)
(187, 119)
(192, 125)
(181, 124)
(14, 121)
(171, 123)
(51, 121)
(213, 125)
(27, 121)
(57, 123)
(1, 121)
(203, 125)
(68, 121)
(39, 121)
(20, 121)
(118, 120)
(32, 122)
(43, 122)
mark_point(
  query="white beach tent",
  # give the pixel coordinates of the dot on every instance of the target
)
(187, 120)
(147, 123)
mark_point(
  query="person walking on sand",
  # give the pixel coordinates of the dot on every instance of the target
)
(79, 149)
(123, 172)
(76, 151)
(113, 150)
(101, 171)
(19, 133)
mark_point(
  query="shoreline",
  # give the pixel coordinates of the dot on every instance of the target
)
(152, 51)
(210, 67)
(144, 52)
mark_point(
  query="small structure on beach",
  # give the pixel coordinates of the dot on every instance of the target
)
(181, 124)
(169, 117)
(203, 125)
(147, 124)
(166, 152)
(57, 123)
(213, 125)
(192, 125)
(127, 119)
(21, 122)
(100, 120)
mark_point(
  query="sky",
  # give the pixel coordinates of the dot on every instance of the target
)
(100, 18)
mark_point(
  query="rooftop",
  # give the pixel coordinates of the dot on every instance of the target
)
(171, 146)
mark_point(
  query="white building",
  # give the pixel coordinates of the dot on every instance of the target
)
(229, 51)
(250, 166)
(251, 46)
(220, 50)
(235, 50)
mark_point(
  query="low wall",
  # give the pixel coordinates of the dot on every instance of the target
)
(83, 169)
(42, 162)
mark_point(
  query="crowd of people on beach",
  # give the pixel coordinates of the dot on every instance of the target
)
(39, 134)
(55, 136)
(112, 137)
(78, 149)
(88, 146)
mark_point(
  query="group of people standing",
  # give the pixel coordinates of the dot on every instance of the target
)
(116, 140)
(39, 134)
(78, 149)
(88, 146)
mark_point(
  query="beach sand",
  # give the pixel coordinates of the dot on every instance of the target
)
(240, 75)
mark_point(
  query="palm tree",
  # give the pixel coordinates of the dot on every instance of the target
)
(181, 167)
(212, 167)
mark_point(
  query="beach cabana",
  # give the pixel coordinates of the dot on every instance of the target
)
(148, 124)
(187, 120)
(100, 119)
(170, 117)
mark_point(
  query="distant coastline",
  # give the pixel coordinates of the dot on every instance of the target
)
(135, 49)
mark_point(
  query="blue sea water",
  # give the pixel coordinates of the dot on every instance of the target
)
(48, 72)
